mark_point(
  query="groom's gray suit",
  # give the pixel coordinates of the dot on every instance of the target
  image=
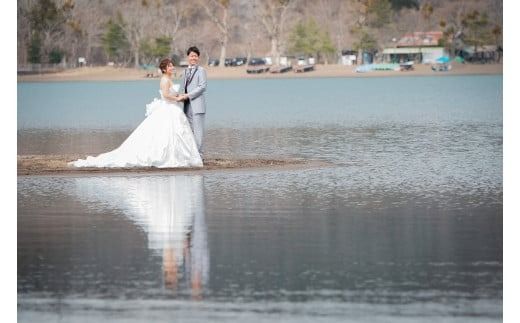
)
(193, 83)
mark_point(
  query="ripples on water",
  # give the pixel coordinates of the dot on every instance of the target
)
(405, 225)
(429, 160)
(136, 239)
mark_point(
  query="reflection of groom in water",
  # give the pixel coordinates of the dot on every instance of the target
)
(171, 210)
(193, 86)
(193, 256)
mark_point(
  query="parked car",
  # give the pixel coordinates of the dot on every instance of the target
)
(480, 57)
(239, 61)
(257, 61)
(236, 61)
(301, 61)
(213, 62)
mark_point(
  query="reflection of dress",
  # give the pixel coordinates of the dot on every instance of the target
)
(169, 209)
(163, 139)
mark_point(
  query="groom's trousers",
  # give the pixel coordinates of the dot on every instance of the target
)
(197, 121)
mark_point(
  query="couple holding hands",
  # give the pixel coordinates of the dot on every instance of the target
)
(172, 134)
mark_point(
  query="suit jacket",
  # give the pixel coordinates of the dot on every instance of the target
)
(196, 89)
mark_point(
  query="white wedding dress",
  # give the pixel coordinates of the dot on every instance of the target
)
(164, 139)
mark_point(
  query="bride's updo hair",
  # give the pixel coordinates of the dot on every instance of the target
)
(164, 64)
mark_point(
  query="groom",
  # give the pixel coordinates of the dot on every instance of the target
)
(193, 86)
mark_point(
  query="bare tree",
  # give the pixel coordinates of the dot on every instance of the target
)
(140, 22)
(371, 16)
(241, 26)
(171, 16)
(274, 14)
(90, 18)
(249, 39)
(48, 23)
(333, 16)
(218, 12)
(451, 23)
(23, 30)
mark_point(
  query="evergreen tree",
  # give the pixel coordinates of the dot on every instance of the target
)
(35, 49)
(114, 40)
(366, 42)
(48, 22)
(379, 13)
(162, 46)
(372, 15)
(400, 4)
(308, 39)
(477, 32)
(147, 50)
(305, 38)
(157, 48)
(55, 56)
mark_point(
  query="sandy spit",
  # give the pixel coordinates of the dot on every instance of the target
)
(56, 165)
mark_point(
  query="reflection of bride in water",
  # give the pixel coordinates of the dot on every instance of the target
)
(171, 211)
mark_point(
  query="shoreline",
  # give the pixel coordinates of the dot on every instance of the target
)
(56, 165)
(106, 73)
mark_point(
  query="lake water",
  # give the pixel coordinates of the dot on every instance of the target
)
(405, 225)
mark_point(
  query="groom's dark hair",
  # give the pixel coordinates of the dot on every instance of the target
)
(193, 49)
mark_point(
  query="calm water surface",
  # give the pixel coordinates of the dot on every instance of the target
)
(404, 226)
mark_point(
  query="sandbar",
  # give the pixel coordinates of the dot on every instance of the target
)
(56, 165)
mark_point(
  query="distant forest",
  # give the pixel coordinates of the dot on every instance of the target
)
(139, 32)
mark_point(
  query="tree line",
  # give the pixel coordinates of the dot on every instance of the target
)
(139, 32)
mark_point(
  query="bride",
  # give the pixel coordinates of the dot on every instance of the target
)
(164, 138)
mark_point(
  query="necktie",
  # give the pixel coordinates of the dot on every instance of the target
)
(188, 75)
